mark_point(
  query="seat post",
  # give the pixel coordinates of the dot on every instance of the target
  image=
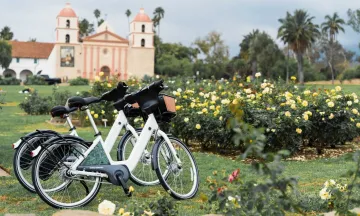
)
(68, 120)
(92, 121)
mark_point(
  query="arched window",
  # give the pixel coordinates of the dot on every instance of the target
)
(142, 42)
(67, 38)
(67, 23)
(143, 28)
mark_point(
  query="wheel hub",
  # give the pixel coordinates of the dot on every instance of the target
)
(146, 158)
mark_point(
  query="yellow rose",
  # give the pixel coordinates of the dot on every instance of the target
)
(121, 211)
(96, 116)
(358, 125)
(305, 103)
(131, 189)
(306, 117)
(235, 101)
(293, 106)
(315, 94)
(212, 107)
(185, 96)
(101, 74)
(218, 107)
(338, 88)
(97, 78)
(221, 118)
(298, 130)
(331, 104)
(198, 126)
(355, 111)
(177, 94)
(186, 120)
(92, 112)
(102, 112)
(204, 110)
(293, 78)
(287, 114)
(178, 107)
(331, 116)
(109, 85)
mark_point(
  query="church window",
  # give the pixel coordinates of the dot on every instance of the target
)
(17, 60)
(67, 23)
(67, 38)
(143, 28)
(142, 42)
(35, 61)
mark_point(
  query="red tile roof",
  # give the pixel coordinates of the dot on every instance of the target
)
(39, 50)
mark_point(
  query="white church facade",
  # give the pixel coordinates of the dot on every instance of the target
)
(105, 51)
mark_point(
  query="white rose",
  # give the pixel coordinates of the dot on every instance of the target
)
(106, 208)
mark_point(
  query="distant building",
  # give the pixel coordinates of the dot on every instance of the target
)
(103, 51)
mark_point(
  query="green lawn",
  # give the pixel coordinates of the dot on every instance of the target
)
(14, 199)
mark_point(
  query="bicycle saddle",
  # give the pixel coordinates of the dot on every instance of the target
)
(79, 102)
(59, 111)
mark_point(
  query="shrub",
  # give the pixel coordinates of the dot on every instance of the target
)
(36, 105)
(79, 81)
(35, 80)
(9, 81)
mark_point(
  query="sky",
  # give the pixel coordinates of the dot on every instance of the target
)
(184, 21)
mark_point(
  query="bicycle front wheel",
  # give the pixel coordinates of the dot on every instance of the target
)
(182, 179)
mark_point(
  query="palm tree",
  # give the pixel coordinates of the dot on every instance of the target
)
(159, 14)
(331, 26)
(128, 14)
(299, 32)
(6, 33)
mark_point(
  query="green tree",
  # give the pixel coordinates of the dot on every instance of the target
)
(299, 31)
(128, 14)
(6, 33)
(354, 19)
(85, 28)
(32, 40)
(97, 14)
(264, 51)
(244, 50)
(332, 26)
(216, 53)
(159, 14)
(5, 54)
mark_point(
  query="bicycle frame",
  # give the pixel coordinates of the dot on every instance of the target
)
(151, 127)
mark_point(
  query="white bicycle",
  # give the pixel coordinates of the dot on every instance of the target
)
(30, 145)
(79, 171)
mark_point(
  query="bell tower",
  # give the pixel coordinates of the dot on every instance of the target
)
(67, 27)
(141, 31)
(141, 46)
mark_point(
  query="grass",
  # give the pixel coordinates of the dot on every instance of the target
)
(14, 199)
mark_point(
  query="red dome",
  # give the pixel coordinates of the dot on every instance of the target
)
(142, 17)
(67, 11)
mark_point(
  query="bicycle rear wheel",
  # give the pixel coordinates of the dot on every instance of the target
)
(182, 180)
(23, 160)
(54, 183)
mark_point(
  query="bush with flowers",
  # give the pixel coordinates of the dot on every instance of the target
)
(293, 117)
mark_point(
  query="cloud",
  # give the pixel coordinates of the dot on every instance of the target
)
(184, 20)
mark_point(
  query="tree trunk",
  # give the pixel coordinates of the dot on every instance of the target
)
(287, 66)
(332, 71)
(299, 58)
(253, 68)
(331, 61)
